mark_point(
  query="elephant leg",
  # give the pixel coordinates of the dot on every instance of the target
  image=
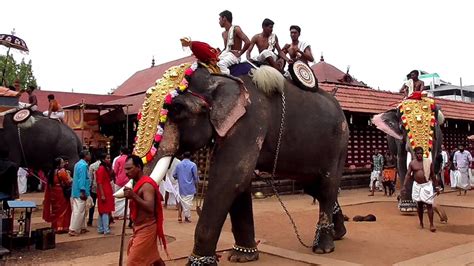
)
(338, 219)
(325, 234)
(241, 215)
(229, 177)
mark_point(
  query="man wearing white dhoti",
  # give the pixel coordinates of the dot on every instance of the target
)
(421, 172)
(170, 185)
(266, 43)
(233, 37)
(80, 192)
(461, 161)
(187, 176)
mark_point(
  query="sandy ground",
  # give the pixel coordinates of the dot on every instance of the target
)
(392, 238)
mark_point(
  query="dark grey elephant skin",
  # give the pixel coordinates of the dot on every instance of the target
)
(392, 119)
(44, 141)
(313, 151)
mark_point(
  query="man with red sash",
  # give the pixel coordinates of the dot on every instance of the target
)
(146, 213)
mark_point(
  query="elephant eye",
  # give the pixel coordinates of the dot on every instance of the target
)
(177, 111)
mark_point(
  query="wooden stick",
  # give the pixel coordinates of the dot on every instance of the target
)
(123, 232)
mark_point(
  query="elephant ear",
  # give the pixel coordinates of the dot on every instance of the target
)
(230, 99)
(389, 122)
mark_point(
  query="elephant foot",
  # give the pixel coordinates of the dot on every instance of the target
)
(339, 232)
(324, 240)
(242, 254)
(195, 260)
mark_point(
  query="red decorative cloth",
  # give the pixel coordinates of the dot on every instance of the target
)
(416, 95)
(158, 211)
(202, 51)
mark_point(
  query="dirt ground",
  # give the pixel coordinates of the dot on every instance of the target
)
(392, 238)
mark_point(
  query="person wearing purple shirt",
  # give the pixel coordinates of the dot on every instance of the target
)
(187, 176)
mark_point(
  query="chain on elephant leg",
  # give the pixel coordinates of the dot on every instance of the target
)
(338, 220)
(243, 254)
(324, 238)
(196, 260)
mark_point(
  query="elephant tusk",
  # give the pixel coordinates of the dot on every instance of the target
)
(157, 175)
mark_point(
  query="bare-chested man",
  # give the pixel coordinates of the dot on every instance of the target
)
(421, 170)
(266, 43)
(147, 215)
(298, 50)
(233, 37)
(412, 84)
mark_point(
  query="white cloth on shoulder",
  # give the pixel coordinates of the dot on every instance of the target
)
(230, 38)
(423, 192)
(410, 85)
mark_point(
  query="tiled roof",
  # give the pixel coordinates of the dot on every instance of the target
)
(327, 73)
(144, 79)
(367, 100)
(67, 98)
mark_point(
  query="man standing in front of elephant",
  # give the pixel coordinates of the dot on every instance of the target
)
(187, 176)
(80, 191)
(233, 37)
(422, 173)
(376, 175)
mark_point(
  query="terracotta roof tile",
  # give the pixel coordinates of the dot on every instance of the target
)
(367, 100)
(327, 73)
(67, 98)
(144, 79)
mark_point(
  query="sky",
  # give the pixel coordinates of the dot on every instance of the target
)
(94, 46)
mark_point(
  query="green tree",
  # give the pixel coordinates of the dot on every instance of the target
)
(22, 71)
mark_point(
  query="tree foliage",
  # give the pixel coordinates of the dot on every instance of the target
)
(22, 71)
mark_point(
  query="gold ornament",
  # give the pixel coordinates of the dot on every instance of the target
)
(151, 107)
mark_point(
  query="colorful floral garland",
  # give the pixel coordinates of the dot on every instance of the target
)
(182, 87)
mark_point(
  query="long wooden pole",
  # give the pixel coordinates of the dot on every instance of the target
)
(122, 240)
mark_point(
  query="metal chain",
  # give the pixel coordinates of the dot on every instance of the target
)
(204, 260)
(272, 180)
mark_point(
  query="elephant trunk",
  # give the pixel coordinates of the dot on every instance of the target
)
(158, 167)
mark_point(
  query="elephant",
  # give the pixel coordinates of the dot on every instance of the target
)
(241, 118)
(397, 139)
(37, 141)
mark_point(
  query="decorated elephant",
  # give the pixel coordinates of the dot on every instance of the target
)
(253, 122)
(413, 123)
(34, 141)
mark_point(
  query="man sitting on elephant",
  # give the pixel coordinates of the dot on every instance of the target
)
(266, 43)
(298, 50)
(233, 37)
(413, 87)
(55, 110)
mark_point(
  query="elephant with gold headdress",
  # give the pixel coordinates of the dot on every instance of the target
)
(248, 120)
(414, 123)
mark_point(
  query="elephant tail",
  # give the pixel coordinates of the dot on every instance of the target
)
(268, 79)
